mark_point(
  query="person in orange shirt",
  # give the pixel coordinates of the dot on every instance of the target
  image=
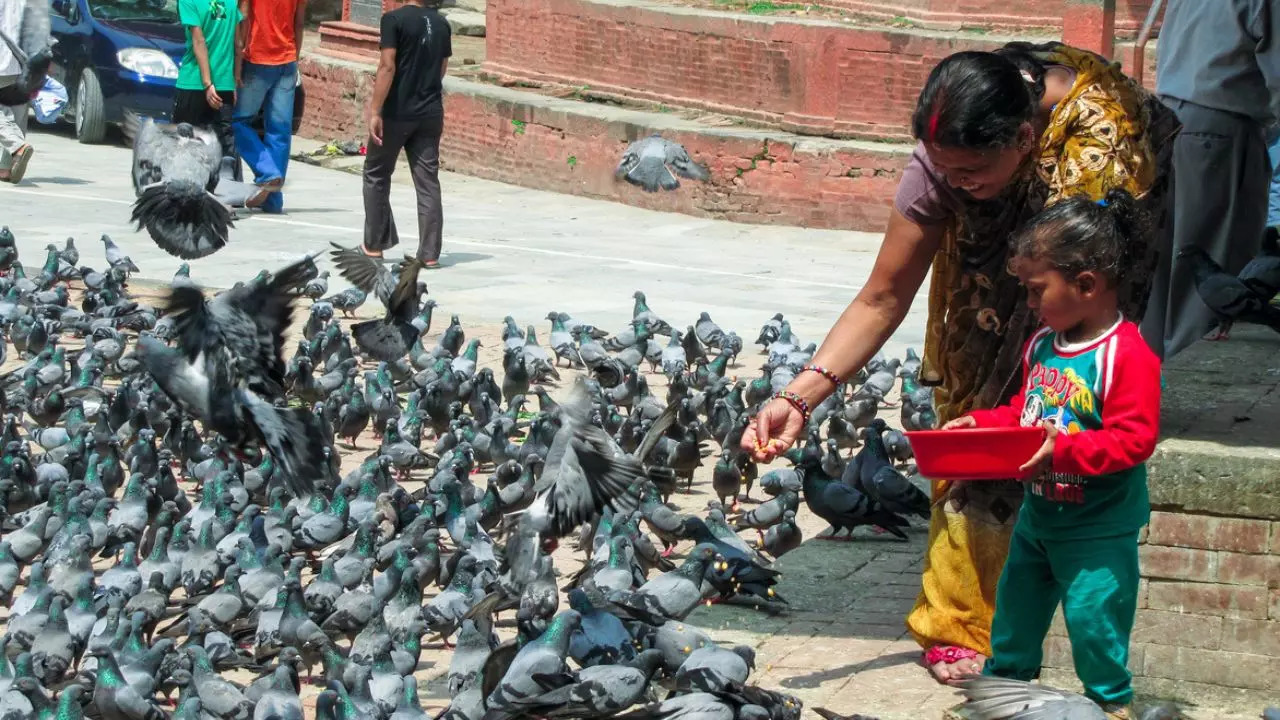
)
(267, 77)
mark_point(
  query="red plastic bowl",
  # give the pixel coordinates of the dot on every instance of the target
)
(974, 453)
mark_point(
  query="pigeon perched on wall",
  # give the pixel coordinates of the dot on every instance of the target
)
(175, 168)
(33, 48)
(654, 163)
(1262, 274)
(1230, 299)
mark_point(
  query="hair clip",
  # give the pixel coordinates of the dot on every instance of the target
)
(1102, 202)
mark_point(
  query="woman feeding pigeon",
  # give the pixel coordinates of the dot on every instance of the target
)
(1002, 134)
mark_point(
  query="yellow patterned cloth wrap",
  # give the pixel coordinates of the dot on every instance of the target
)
(1108, 132)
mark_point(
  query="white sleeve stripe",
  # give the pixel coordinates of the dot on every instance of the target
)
(1108, 366)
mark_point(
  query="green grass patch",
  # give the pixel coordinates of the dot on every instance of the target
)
(760, 7)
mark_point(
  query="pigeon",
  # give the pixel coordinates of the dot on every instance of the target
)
(782, 538)
(1262, 274)
(1230, 298)
(712, 668)
(175, 168)
(653, 163)
(33, 49)
(993, 698)
(387, 339)
(708, 331)
(543, 656)
(228, 368)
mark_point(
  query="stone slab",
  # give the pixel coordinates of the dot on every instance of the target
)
(465, 22)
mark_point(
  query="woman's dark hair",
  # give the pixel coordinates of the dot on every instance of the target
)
(979, 100)
(1079, 234)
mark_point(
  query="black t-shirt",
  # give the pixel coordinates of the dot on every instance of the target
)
(421, 39)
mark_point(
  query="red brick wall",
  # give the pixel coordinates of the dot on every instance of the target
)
(822, 78)
(573, 148)
(1208, 608)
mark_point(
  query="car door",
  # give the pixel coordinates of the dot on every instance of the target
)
(69, 25)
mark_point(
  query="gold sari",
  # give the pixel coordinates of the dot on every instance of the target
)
(1108, 132)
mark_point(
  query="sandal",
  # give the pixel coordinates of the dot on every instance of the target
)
(949, 655)
(375, 254)
(431, 265)
(18, 160)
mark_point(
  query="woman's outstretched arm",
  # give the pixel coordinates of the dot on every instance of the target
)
(901, 266)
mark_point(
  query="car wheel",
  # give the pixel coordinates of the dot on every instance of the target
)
(91, 124)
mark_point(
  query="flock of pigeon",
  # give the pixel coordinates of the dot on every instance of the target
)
(174, 506)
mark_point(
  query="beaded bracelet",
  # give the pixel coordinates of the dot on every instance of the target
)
(834, 378)
(796, 401)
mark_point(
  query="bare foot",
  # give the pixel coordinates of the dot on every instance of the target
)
(948, 671)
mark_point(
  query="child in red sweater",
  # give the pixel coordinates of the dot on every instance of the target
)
(1091, 381)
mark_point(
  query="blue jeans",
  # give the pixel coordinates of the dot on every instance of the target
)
(1273, 151)
(268, 88)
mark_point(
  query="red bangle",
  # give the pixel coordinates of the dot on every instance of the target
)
(834, 378)
(796, 402)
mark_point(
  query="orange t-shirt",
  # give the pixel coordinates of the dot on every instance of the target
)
(271, 40)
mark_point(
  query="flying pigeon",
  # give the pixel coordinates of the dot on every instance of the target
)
(175, 168)
(654, 162)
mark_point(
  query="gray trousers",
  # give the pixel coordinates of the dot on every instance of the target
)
(1222, 176)
(421, 141)
(13, 126)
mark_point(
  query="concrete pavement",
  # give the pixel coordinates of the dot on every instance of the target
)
(507, 249)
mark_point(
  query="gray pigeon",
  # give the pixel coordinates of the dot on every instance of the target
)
(654, 162)
(993, 698)
(712, 668)
(544, 655)
(599, 691)
(175, 168)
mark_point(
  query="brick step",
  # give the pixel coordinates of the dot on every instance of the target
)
(815, 76)
(571, 146)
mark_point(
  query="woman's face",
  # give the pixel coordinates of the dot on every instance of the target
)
(982, 174)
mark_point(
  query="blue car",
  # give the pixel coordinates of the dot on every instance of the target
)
(117, 55)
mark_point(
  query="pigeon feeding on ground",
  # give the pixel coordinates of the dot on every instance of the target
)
(175, 169)
(655, 163)
(151, 449)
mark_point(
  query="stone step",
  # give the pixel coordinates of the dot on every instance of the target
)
(568, 145)
(465, 21)
(817, 75)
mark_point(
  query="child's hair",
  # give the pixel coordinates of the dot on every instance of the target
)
(1079, 234)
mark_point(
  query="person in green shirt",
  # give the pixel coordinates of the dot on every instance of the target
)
(1093, 384)
(208, 75)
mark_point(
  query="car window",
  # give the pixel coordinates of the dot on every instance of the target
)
(163, 11)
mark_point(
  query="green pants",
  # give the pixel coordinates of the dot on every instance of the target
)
(1096, 581)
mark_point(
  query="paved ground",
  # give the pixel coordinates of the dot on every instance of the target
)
(510, 250)
(516, 251)
(506, 247)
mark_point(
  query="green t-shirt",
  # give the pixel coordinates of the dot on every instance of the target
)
(1071, 388)
(218, 20)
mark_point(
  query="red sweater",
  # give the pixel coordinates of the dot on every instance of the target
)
(1105, 395)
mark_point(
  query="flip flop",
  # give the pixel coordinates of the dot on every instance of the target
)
(18, 163)
(365, 251)
(432, 265)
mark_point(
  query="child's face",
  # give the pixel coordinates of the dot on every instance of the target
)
(1061, 303)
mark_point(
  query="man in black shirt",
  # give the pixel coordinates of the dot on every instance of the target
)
(407, 111)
